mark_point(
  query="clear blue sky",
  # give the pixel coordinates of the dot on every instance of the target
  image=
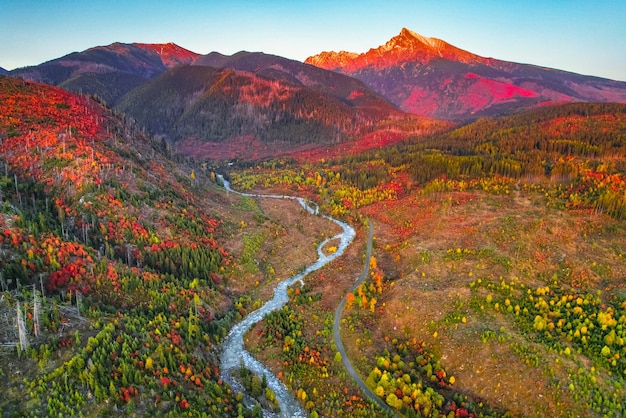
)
(583, 36)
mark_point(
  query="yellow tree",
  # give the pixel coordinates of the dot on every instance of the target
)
(373, 263)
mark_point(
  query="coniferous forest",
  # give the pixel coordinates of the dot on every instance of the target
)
(495, 285)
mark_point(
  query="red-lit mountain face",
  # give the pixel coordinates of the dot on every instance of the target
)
(108, 71)
(171, 54)
(247, 99)
(430, 77)
(253, 105)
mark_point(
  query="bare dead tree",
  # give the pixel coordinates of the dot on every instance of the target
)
(36, 310)
(43, 294)
(128, 254)
(17, 191)
(21, 328)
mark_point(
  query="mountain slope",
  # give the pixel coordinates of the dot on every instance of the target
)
(430, 77)
(257, 105)
(105, 245)
(171, 54)
(294, 72)
(3, 71)
(108, 71)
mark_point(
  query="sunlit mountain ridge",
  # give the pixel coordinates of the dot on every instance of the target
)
(429, 77)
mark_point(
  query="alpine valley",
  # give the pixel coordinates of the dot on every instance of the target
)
(459, 248)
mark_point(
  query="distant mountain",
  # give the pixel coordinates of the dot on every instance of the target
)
(3, 71)
(171, 54)
(429, 77)
(254, 105)
(108, 71)
(353, 92)
(251, 104)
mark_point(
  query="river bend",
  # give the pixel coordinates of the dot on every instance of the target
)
(233, 352)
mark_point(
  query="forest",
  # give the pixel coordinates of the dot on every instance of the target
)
(496, 286)
(467, 222)
(109, 266)
(220, 104)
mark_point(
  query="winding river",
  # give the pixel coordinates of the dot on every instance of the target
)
(233, 352)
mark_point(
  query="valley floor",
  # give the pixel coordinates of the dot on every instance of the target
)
(499, 287)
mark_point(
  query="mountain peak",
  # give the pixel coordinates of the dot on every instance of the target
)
(409, 43)
(410, 35)
(407, 46)
(331, 60)
(170, 53)
(421, 48)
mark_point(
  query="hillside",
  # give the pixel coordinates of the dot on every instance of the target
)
(429, 77)
(116, 284)
(497, 285)
(96, 222)
(3, 71)
(230, 112)
(281, 69)
(107, 71)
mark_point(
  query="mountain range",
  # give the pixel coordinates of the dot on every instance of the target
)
(253, 104)
(429, 77)
(108, 71)
(124, 267)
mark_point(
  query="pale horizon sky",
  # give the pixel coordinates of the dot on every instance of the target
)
(585, 37)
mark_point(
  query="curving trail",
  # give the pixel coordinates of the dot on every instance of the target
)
(233, 352)
(337, 335)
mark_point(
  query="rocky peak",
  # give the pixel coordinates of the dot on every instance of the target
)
(408, 46)
(411, 40)
(331, 59)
